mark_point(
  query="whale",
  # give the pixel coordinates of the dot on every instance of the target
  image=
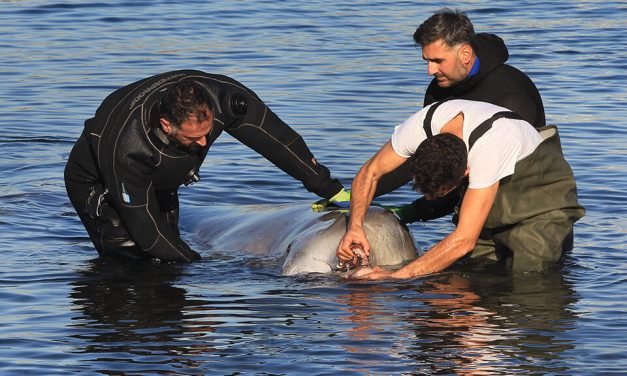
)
(303, 240)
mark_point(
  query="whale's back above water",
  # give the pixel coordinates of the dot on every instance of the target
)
(307, 241)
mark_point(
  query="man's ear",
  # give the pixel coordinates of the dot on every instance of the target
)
(465, 54)
(467, 171)
(165, 125)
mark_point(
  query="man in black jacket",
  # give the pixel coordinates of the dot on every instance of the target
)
(472, 66)
(465, 65)
(150, 137)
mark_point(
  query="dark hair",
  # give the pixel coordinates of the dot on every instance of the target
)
(452, 26)
(439, 164)
(185, 99)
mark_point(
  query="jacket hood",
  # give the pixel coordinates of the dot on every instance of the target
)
(492, 53)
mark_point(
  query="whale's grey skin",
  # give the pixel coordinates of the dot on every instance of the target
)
(307, 241)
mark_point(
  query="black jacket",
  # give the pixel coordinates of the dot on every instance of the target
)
(123, 149)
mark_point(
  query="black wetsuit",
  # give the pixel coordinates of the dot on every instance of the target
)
(123, 173)
(496, 83)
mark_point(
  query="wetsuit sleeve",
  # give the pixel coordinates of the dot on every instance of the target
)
(263, 131)
(393, 180)
(134, 198)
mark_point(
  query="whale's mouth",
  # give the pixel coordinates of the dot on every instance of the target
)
(359, 260)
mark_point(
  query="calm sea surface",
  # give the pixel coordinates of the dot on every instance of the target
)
(343, 74)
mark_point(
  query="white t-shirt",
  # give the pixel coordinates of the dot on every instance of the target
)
(492, 157)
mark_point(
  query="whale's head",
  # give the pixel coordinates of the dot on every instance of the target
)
(314, 251)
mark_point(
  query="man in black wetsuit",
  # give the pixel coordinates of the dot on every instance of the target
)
(465, 65)
(148, 138)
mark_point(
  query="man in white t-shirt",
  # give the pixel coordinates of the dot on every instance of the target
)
(521, 199)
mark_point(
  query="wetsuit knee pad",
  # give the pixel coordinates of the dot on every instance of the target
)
(111, 238)
(110, 225)
(114, 237)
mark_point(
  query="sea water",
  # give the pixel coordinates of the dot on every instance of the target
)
(343, 74)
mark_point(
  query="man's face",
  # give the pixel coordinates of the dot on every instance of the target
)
(448, 65)
(444, 190)
(192, 133)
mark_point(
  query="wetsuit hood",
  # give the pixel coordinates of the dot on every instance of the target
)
(492, 53)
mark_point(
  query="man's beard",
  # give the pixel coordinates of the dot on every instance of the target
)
(193, 148)
(457, 76)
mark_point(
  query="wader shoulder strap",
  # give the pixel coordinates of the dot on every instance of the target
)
(426, 124)
(487, 124)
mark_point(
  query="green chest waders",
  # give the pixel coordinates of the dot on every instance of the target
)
(532, 218)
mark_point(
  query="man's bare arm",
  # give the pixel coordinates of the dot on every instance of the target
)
(473, 214)
(362, 191)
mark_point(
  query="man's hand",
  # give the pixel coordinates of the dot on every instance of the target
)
(340, 200)
(354, 235)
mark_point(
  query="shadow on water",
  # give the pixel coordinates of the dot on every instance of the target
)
(132, 317)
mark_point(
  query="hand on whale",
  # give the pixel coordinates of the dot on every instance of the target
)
(368, 273)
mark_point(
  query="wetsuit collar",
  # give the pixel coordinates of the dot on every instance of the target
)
(161, 136)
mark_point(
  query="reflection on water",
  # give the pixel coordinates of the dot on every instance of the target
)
(471, 324)
(133, 316)
(136, 319)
